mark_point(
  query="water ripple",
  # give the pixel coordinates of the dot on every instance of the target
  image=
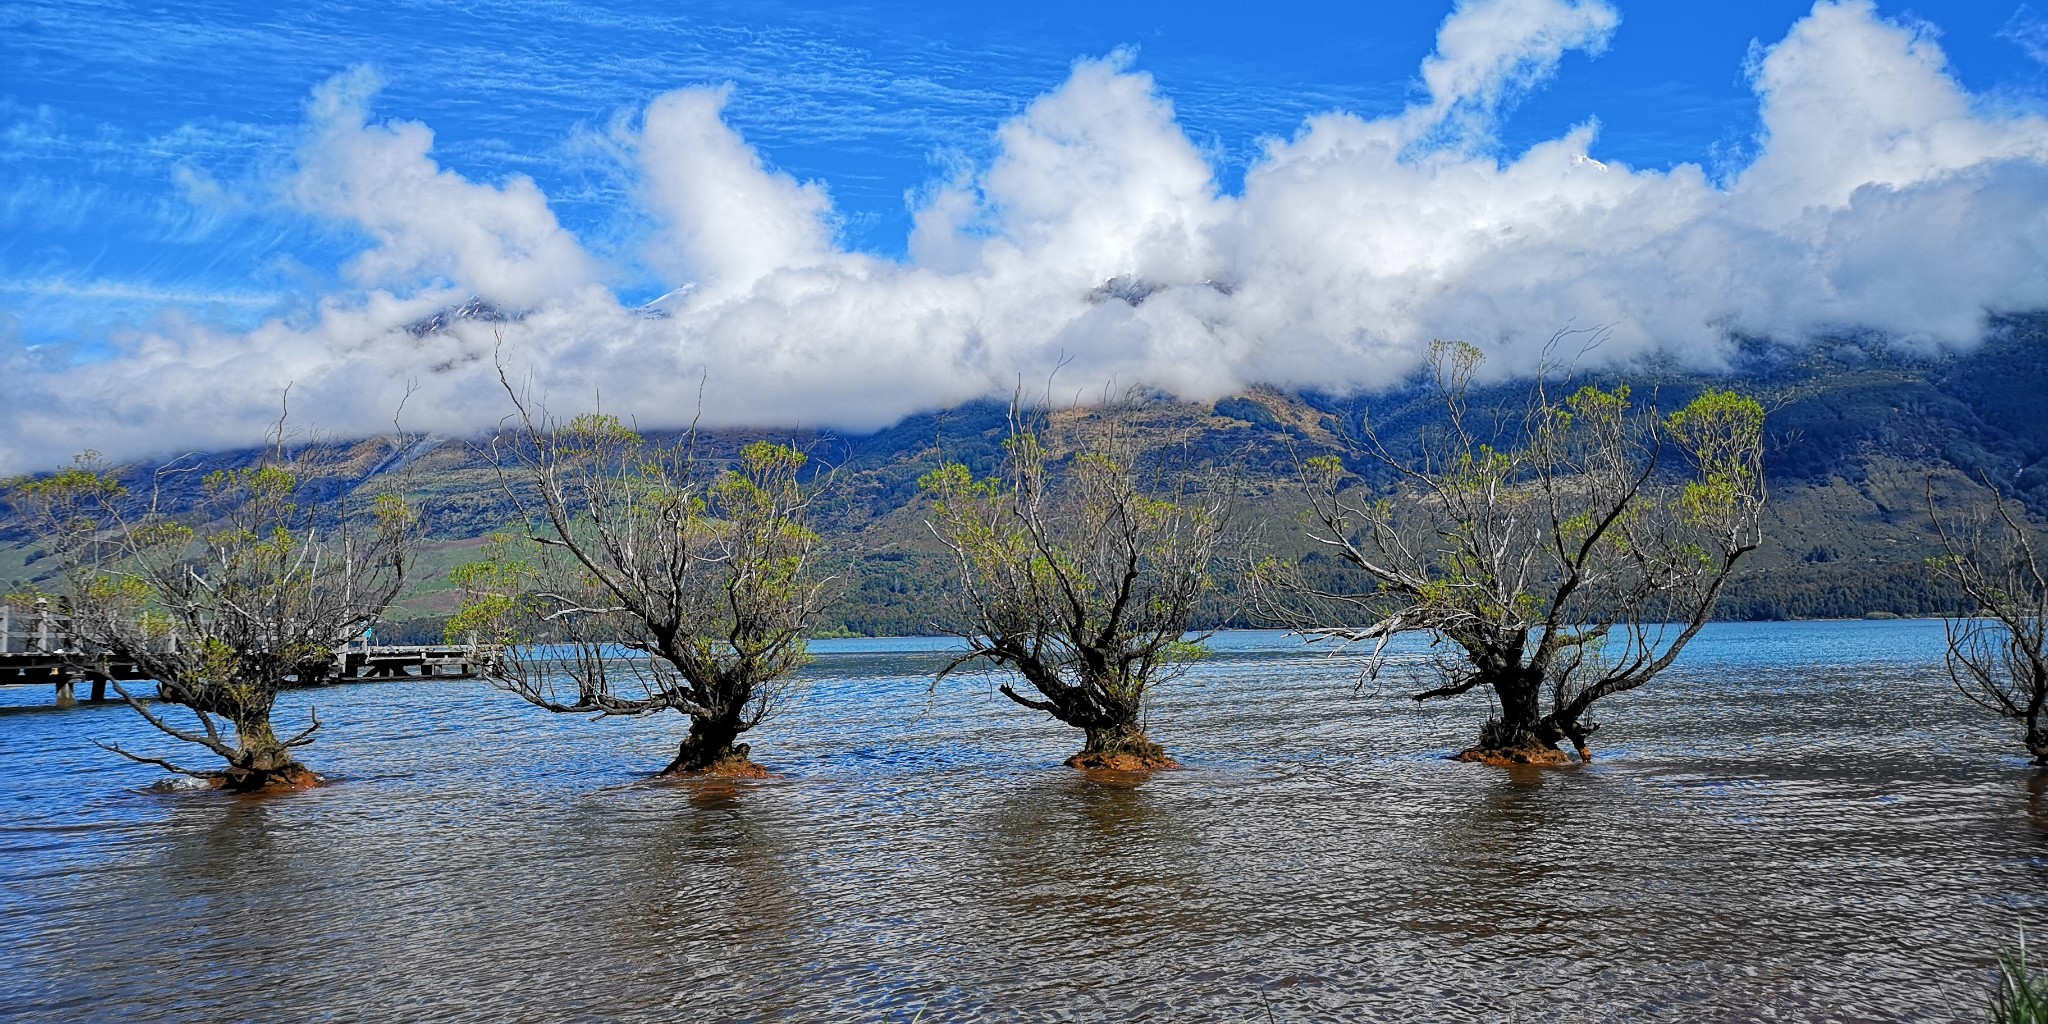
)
(1832, 839)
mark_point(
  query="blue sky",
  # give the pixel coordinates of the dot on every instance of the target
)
(155, 160)
(106, 107)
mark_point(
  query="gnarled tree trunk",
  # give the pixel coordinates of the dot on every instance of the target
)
(1083, 573)
(1120, 743)
(713, 747)
(261, 760)
(223, 603)
(1548, 553)
(1122, 749)
(1115, 736)
(660, 579)
(1521, 733)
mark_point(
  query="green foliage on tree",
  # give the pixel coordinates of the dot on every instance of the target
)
(250, 589)
(1080, 569)
(651, 578)
(1566, 550)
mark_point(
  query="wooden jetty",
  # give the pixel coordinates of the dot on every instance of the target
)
(36, 648)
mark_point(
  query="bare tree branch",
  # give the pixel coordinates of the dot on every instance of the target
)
(1996, 643)
(652, 575)
(1527, 540)
(157, 761)
(227, 597)
(1082, 563)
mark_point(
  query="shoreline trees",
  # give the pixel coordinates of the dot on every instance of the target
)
(1998, 646)
(1081, 562)
(651, 579)
(1547, 545)
(250, 590)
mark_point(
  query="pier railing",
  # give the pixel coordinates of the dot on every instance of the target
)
(37, 628)
(37, 646)
(43, 627)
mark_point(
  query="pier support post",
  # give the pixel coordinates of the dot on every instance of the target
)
(99, 688)
(66, 695)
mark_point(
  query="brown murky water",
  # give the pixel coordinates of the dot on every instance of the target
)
(1802, 823)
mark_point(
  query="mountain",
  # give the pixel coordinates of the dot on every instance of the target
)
(1863, 435)
(474, 309)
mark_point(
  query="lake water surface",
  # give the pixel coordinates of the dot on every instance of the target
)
(1802, 822)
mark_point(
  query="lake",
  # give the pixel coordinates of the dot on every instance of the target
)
(1800, 822)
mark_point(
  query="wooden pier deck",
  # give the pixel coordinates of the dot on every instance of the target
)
(36, 650)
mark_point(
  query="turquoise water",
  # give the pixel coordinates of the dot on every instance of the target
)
(1808, 643)
(1801, 822)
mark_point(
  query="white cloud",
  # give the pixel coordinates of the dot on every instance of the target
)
(1851, 101)
(730, 220)
(428, 222)
(1489, 50)
(1882, 195)
(127, 291)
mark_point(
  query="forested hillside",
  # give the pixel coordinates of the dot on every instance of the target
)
(1863, 434)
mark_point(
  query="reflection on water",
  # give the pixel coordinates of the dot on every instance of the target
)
(1795, 835)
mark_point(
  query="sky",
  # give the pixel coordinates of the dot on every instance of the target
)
(835, 216)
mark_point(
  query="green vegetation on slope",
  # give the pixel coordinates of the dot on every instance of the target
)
(1857, 431)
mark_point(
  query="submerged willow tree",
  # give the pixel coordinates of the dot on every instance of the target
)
(248, 590)
(654, 580)
(1998, 647)
(1081, 567)
(1557, 555)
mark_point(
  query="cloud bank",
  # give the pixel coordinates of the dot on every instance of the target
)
(1882, 196)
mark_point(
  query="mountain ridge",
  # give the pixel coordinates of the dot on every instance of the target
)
(1864, 434)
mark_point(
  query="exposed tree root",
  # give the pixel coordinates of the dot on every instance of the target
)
(1122, 762)
(290, 779)
(731, 763)
(295, 779)
(1122, 747)
(1507, 757)
(733, 768)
